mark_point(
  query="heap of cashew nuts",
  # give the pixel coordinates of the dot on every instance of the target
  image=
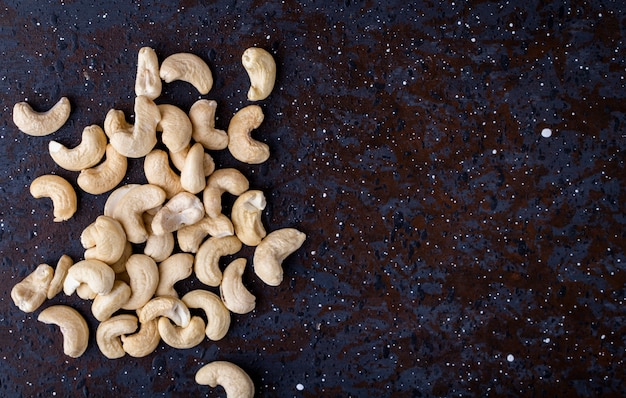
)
(133, 294)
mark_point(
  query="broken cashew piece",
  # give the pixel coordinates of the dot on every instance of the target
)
(144, 342)
(94, 273)
(32, 291)
(105, 305)
(147, 80)
(105, 176)
(109, 332)
(104, 239)
(60, 272)
(231, 377)
(165, 306)
(261, 69)
(218, 316)
(240, 144)
(183, 209)
(206, 262)
(246, 217)
(128, 210)
(158, 172)
(175, 268)
(60, 191)
(175, 127)
(41, 123)
(87, 154)
(202, 116)
(223, 180)
(73, 327)
(192, 177)
(189, 68)
(190, 237)
(134, 141)
(144, 279)
(234, 294)
(273, 249)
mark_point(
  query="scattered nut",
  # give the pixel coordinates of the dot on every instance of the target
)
(218, 316)
(206, 263)
(114, 198)
(130, 207)
(105, 176)
(159, 247)
(134, 141)
(104, 239)
(31, 292)
(94, 273)
(147, 80)
(182, 337)
(41, 123)
(171, 270)
(192, 177)
(223, 180)
(60, 272)
(246, 217)
(202, 116)
(234, 294)
(175, 127)
(109, 332)
(261, 69)
(87, 154)
(165, 306)
(178, 160)
(183, 209)
(144, 279)
(189, 68)
(240, 144)
(105, 305)
(60, 191)
(73, 327)
(270, 253)
(191, 236)
(144, 342)
(231, 377)
(158, 172)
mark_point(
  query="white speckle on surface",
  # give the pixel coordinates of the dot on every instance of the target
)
(299, 387)
(510, 358)
(546, 132)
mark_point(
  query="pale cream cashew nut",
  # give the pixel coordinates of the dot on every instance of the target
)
(73, 328)
(240, 144)
(202, 116)
(272, 251)
(182, 337)
(104, 239)
(105, 305)
(261, 69)
(105, 176)
(139, 140)
(87, 154)
(159, 247)
(183, 209)
(189, 68)
(60, 272)
(218, 316)
(178, 160)
(191, 236)
(158, 172)
(114, 198)
(128, 211)
(192, 177)
(231, 377)
(165, 306)
(31, 292)
(246, 217)
(94, 273)
(144, 342)
(234, 294)
(61, 192)
(147, 80)
(109, 332)
(175, 268)
(206, 262)
(175, 127)
(223, 180)
(144, 279)
(39, 124)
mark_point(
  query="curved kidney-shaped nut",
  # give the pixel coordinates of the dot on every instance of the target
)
(96, 274)
(115, 121)
(231, 377)
(218, 316)
(240, 144)
(246, 217)
(32, 291)
(189, 68)
(87, 154)
(158, 172)
(144, 342)
(273, 249)
(202, 116)
(159, 247)
(73, 327)
(234, 294)
(261, 69)
(192, 177)
(175, 268)
(182, 337)
(128, 210)
(175, 127)
(60, 272)
(114, 198)
(105, 176)
(109, 332)
(183, 209)
(144, 279)
(223, 180)
(147, 80)
(105, 305)
(165, 306)
(178, 160)
(61, 192)
(206, 263)
(104, 239)
(41, 123)
(139, 140)
(120, 265)
(191, 236)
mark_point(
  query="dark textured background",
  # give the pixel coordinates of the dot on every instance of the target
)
(444, 232)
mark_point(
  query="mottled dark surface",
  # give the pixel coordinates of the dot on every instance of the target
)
(452, 250)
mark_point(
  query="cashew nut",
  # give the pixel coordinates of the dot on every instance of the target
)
(130, 207)
(158, 172)
(234, 294)
(159, 247)
(191, 236)
(218, 316)
(178, 160)
(223, 180)
(182, 337)
(120, 265)
(189, 68)
(41, 123)
(240, 144)
(231, 377)
(273, 249)
(144, 279)
(106, 175)
(87, 154)
(202, 116)
(139, 140)
(144, 342)
(105, 305)
(165, 306)
(175, 127)
(261, 69)
(206, 263)
(60, 272)
(97, 274)
(147, 80)
(175, 268)
(114, 198)
(60, 191)
(104, 239)
(183, 209)
(109, 332)
(246, 217)
(31, 292)
(192, 177)
(73, 327)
